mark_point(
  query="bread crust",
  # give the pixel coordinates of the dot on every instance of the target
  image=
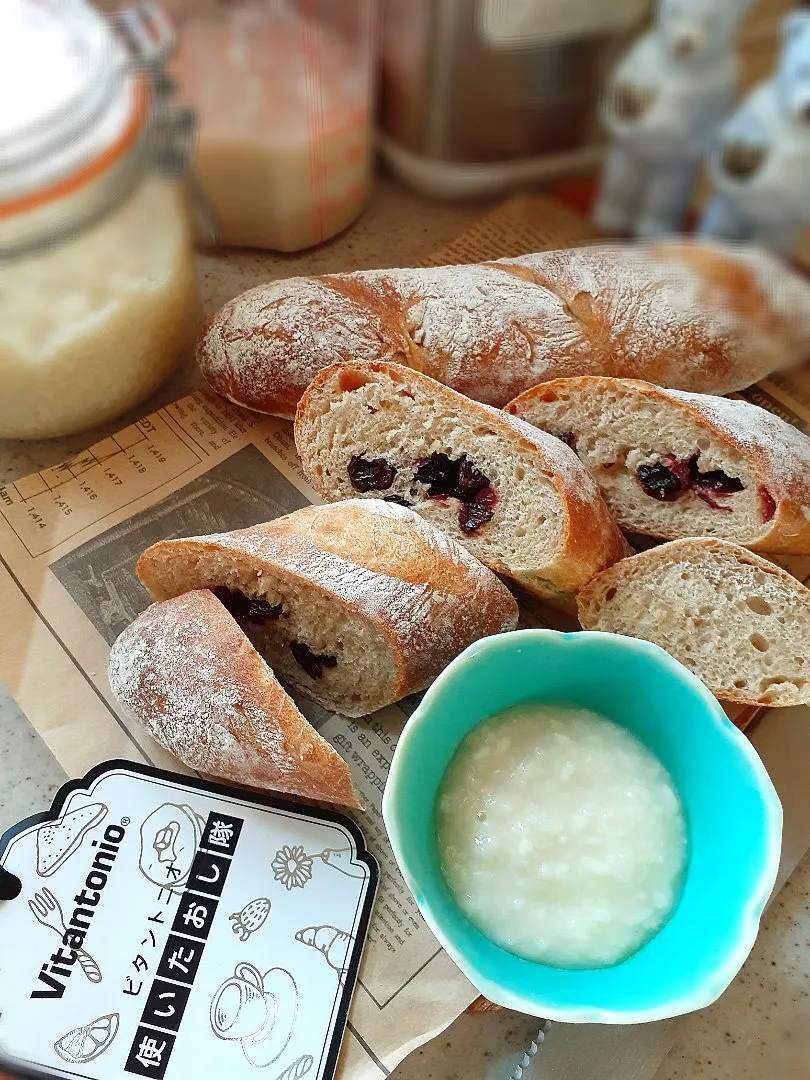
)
(427, 596)
(696, 316)
(777, 453)
(188, 674)
(589, 599)
(590, 539)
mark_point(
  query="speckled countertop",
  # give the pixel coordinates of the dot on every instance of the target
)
(760, 1028)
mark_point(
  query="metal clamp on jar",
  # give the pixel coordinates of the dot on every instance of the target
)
(98, 297)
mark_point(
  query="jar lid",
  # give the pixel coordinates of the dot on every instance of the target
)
(66, 97)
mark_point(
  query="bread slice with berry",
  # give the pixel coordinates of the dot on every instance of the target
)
(673, 464)
(741, 624)
(355, 605)
(517, 498)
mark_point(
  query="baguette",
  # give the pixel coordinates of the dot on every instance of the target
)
(711, 318)
(673, 464)
(518, 498)
(355, 605)
(187, 673)
(741, 624)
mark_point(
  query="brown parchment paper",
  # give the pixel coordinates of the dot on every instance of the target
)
(69, 538)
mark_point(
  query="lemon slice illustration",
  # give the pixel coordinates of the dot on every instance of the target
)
(86, 1043)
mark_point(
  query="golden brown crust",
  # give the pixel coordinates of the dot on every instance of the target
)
(699, 317)
(590, 541)
(424, 593)
(262, 348)
(588, 598)
(186, 671)
(777, 453)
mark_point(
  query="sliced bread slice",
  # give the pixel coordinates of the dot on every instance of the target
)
(517, 498)
(354, 605)
(741, 624)
(674, 464)
(186, 672)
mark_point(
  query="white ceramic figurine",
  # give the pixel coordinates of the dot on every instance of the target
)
(760, 158)
(662, 102)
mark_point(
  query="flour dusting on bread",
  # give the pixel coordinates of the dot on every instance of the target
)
(701, 317)
(186, 671)
(155, 660)
(671, 463)
(354, 605)
(517, 498)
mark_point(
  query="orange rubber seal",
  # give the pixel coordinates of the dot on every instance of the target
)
(92, 169)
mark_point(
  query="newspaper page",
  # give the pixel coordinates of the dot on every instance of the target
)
(69, 539)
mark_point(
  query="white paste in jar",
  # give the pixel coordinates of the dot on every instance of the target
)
(92, 326)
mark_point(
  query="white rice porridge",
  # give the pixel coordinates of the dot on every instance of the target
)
(560, 835)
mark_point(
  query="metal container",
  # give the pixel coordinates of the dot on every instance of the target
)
(482, 94)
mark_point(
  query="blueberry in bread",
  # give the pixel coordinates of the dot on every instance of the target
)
(186, 671)
(518, 498)
(741, 624)
(673, 464)
(354, 605)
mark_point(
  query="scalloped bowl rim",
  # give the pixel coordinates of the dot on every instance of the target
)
(747, 916)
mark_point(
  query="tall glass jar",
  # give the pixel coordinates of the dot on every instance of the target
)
(283, 91)
(98, 297)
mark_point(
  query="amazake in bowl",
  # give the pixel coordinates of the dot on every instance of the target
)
(733, 815)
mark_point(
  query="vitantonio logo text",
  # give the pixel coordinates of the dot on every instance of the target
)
(60, 965)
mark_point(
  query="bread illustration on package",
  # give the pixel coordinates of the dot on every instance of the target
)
(58, 840)
(333, 943)
(158, 881)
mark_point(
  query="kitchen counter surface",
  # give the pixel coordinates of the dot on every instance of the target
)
(761, 1025)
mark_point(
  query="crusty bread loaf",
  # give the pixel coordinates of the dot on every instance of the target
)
(675, 464)
(518, 498)
(741, 624)
(710, 318)
(186, 671)
(354, 605)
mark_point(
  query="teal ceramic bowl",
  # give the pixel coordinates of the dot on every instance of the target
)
(734, 821)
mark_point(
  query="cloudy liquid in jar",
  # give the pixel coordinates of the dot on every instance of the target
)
(560, 836)
(284, 148)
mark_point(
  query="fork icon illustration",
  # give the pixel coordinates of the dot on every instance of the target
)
(46, 909)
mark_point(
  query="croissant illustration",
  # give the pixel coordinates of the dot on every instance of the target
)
(333, 943)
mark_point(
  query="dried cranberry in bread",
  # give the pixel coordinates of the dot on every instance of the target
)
(696, 316)
(186, 672)
(353, 605)
(674, 464)
(741, 624)
(516, 497)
